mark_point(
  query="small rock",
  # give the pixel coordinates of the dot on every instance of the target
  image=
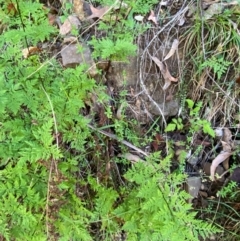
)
(169, 108)
(235, 176)
(71, 57)
(193, 186)
(121, 73)
(68, 25)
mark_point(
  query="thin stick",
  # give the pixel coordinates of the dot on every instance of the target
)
(116, 138)
(52, 161)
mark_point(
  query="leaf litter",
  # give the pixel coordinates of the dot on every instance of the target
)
(165, 72)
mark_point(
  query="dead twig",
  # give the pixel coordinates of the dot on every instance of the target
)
(116, 138)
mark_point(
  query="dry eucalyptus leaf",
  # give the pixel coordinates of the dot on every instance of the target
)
(172, 50)
(227, 136)
(98, 13)
(227, 148)
(219, 159)
(165, 72)
(29, 51)
(152, 17)
(70, 22)
(52, 18)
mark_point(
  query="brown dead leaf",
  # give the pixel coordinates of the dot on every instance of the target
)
(198, 142)
(152, 17)
(165, 72)
(227, 148)
(12, 10)
(98, 13)
(52, 18)
(69, 23)
(227, 136)
(172, 50)
(156, 142)
(30, 51)
(219, 159)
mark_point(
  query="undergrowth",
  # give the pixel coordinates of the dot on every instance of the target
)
(211, 47)
(57, 180)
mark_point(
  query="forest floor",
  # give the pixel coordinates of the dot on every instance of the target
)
(176, 95)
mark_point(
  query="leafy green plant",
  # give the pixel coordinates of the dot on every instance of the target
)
(218, 65)
(196, 124)
(228, 190)
(176, 124)
(114, 50)
(214, 58)
(152, 205)
(40, 105)
(118, 44)
(156, 207)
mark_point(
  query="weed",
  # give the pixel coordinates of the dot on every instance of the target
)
(196, 124)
